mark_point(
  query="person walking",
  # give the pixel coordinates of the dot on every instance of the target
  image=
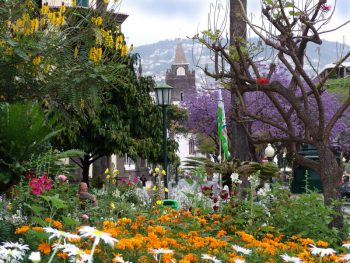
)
(143, 179)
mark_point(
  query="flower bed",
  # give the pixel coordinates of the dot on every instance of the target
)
(172, 236)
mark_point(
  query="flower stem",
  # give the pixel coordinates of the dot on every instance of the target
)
(93, 249)
(55, 251)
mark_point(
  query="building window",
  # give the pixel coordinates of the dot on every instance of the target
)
(181, 96)
(84, 3)
(180, 71)
(191, 146)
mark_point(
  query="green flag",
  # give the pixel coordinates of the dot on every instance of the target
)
(222, 128)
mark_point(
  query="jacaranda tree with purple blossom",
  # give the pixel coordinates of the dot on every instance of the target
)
(304, 114)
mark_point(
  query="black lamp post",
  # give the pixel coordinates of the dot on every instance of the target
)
(163, 97)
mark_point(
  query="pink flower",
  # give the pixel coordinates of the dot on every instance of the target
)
(84, 216)
(36, 186)
(46, 182)
(325, 8)
(136, 179)
(62, 178)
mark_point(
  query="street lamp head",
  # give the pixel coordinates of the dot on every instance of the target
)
(269, 151)
(163, 94)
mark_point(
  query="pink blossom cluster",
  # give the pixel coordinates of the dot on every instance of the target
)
(62, 178)
(135, 180)
(38, 185)
(325, 8)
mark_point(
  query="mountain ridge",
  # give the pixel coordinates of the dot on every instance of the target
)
(157, 57)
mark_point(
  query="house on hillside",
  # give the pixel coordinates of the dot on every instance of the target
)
(342, 72)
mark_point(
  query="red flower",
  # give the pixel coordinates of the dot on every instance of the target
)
(36, 186)
(46, 182)
(262, 80)
(30, 174)
(224, 194)
(325, 8)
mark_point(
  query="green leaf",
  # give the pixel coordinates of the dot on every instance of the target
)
(40, 235)
(289, 4)
(37, 209)
(70, 221)
(39, 221)
(55, 200)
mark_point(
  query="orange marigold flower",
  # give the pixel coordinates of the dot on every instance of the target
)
(221, 233)
(48, 220)
(63, 255)
(45, 248)
(57, 224)
(191, 257)
(321, 243)
(37, 228)
(306, 241)
(143, 259)
(22, 229)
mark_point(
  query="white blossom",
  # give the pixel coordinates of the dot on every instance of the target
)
(212, 258)
(235, 178)
(254, 180)
(158, 251)
(321, 251)
(35, 257)
(287, 258)
(88, 231)
(243, 250)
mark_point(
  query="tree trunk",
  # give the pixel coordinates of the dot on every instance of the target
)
(330, 173)
(86, 165)
(238, 28)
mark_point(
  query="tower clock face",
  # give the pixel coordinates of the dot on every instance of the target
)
(180, 71)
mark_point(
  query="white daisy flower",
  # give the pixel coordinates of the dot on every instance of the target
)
(7, 253)
(74, 252)
(346, 245)
(83, 258)
(238, 260)
(212, 258)
(243, 250)
(16, 245)
(346, 257)
(158, 251)
(120, 260)
(58, 233)
(88, 231)
(287, 258)
(321, 251)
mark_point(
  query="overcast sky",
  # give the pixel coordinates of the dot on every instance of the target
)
(150, 21)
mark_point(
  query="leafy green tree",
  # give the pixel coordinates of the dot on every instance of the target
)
(25, 134)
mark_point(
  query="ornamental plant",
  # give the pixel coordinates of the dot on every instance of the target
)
(174, 235)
